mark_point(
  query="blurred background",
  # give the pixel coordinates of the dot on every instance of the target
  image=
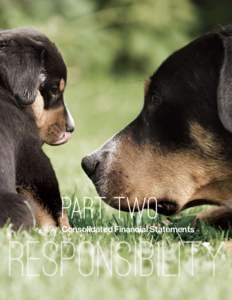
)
(110, 47)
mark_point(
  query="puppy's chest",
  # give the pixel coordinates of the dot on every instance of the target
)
(42, 217)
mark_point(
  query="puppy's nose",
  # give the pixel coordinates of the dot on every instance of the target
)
(89, 164)
(69, 128)
(70, 124)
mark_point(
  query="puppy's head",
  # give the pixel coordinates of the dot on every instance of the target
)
(33, 70)
(177, 152)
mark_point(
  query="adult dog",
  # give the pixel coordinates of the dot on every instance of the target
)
(178, 152)
(32, 112)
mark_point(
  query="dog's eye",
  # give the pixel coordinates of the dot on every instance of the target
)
(156, 99)
(154, 103)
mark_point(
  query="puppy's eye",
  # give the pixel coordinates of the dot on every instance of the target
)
(53, 89)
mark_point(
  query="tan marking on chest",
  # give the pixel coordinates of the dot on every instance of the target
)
(42, 218)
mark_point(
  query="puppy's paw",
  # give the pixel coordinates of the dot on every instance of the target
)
(63, 220)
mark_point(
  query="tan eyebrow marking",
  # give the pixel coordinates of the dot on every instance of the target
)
(146, 86)
(62, 85)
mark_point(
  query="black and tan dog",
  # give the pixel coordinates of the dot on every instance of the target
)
(178, 152)
(32, 112)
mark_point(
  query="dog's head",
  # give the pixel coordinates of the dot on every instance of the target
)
(33, 71)
(178, 152)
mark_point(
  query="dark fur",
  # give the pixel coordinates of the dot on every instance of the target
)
(25, 54)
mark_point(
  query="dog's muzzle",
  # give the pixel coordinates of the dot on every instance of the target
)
(91, 164)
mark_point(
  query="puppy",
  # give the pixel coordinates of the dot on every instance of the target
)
(32, 112)
(178, 152)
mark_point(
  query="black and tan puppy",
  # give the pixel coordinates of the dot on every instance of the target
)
(32, 112)
(178, 152)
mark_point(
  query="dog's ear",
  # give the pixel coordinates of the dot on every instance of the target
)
(224, 101)
(23, 67)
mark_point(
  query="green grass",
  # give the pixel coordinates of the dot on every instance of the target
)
(110, 265)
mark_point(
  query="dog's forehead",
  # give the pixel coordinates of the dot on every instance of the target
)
(189, 69)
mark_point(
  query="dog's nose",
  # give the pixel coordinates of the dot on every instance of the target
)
(89, 164)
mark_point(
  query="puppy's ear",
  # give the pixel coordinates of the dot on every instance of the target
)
(24, 68)
(224, 101)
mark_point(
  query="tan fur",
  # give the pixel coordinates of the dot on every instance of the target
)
(146, 86)
(204, 139)
(42, 217)
(51, 122)
(63, 220)
(140, 172)
(61, 85)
